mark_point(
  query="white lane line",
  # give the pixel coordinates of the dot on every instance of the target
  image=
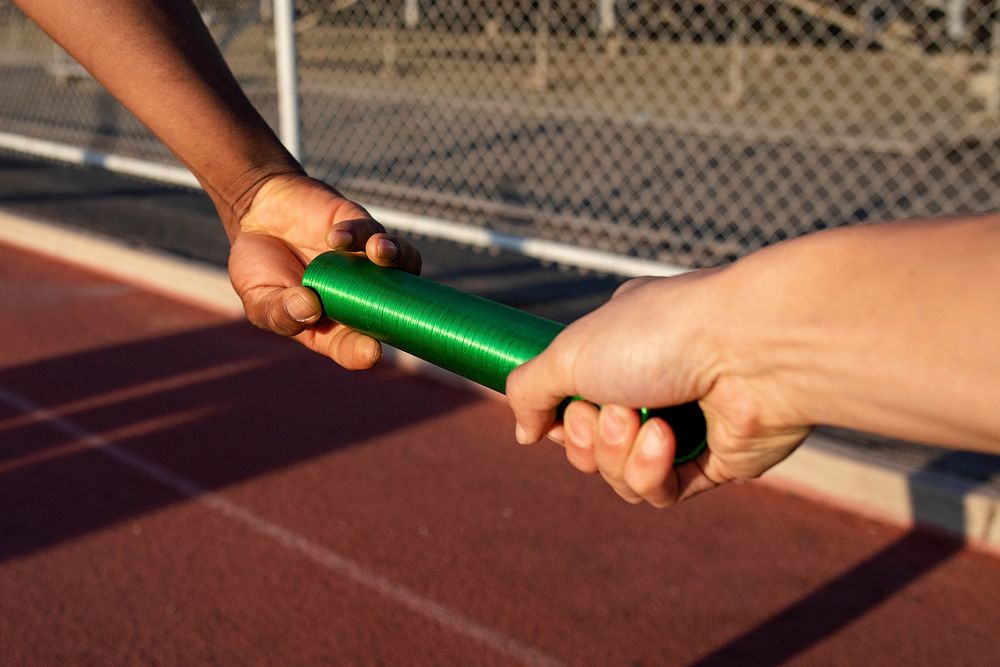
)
(328, 558)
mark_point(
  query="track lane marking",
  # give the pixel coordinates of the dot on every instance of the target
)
(319, 554)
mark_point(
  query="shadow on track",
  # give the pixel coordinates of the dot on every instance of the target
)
(851, 595)
(219, 406)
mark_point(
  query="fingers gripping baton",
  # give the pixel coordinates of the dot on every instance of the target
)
(479, 339)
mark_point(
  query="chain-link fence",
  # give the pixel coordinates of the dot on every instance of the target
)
(688, 132)
(46, 95)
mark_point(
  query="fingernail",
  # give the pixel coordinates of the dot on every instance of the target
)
(521, 435)
(340, 238)
(612, 424)
(580, 431)
(652, 441)
(387, 249)
(300, 309)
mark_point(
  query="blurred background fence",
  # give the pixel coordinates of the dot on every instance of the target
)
(688, 133)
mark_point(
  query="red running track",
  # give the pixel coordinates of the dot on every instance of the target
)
(180, 489)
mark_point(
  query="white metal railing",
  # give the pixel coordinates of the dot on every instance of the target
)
(550, 251)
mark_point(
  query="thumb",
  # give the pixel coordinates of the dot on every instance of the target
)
(534, 390)
(698, 476)
(282, 310)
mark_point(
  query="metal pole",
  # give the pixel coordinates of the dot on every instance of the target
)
(541, 75)
(737, 57)
(605, 17)
(411, 14)
(993, 99)
(287, 77)
(868, 12)
(955, 12)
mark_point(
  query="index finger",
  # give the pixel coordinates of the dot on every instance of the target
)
(369, 236)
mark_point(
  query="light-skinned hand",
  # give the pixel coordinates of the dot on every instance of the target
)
(648, 347)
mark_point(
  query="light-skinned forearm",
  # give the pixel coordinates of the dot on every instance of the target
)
(891, 328)
(158, 59)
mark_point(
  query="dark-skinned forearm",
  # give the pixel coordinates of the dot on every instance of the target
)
(158, 58)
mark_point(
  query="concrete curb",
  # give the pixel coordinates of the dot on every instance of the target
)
(823, 468)
(186, 280)
(834, 471)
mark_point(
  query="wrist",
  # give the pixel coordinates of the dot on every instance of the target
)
(233, 195)
(775, 346)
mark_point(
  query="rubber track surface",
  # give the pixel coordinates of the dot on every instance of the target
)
(180, 489)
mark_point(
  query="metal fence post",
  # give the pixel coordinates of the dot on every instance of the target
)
(411, 14)
(993, 98)
(286, 65)
(605, 17)
(955, 11)
(737, 58)
(540, 78)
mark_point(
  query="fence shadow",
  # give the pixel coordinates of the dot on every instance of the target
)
(851, 595)
(218, 406)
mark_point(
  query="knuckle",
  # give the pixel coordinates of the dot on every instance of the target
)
(411, 257)
(738, 414)
(253, 313)
(561, 353)
(338, 351)
(277, 321)
(744, 419)
(369, 228)
(515, 386)
(258, 322)
(630, 285)
(638, 482)
(373, 225)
